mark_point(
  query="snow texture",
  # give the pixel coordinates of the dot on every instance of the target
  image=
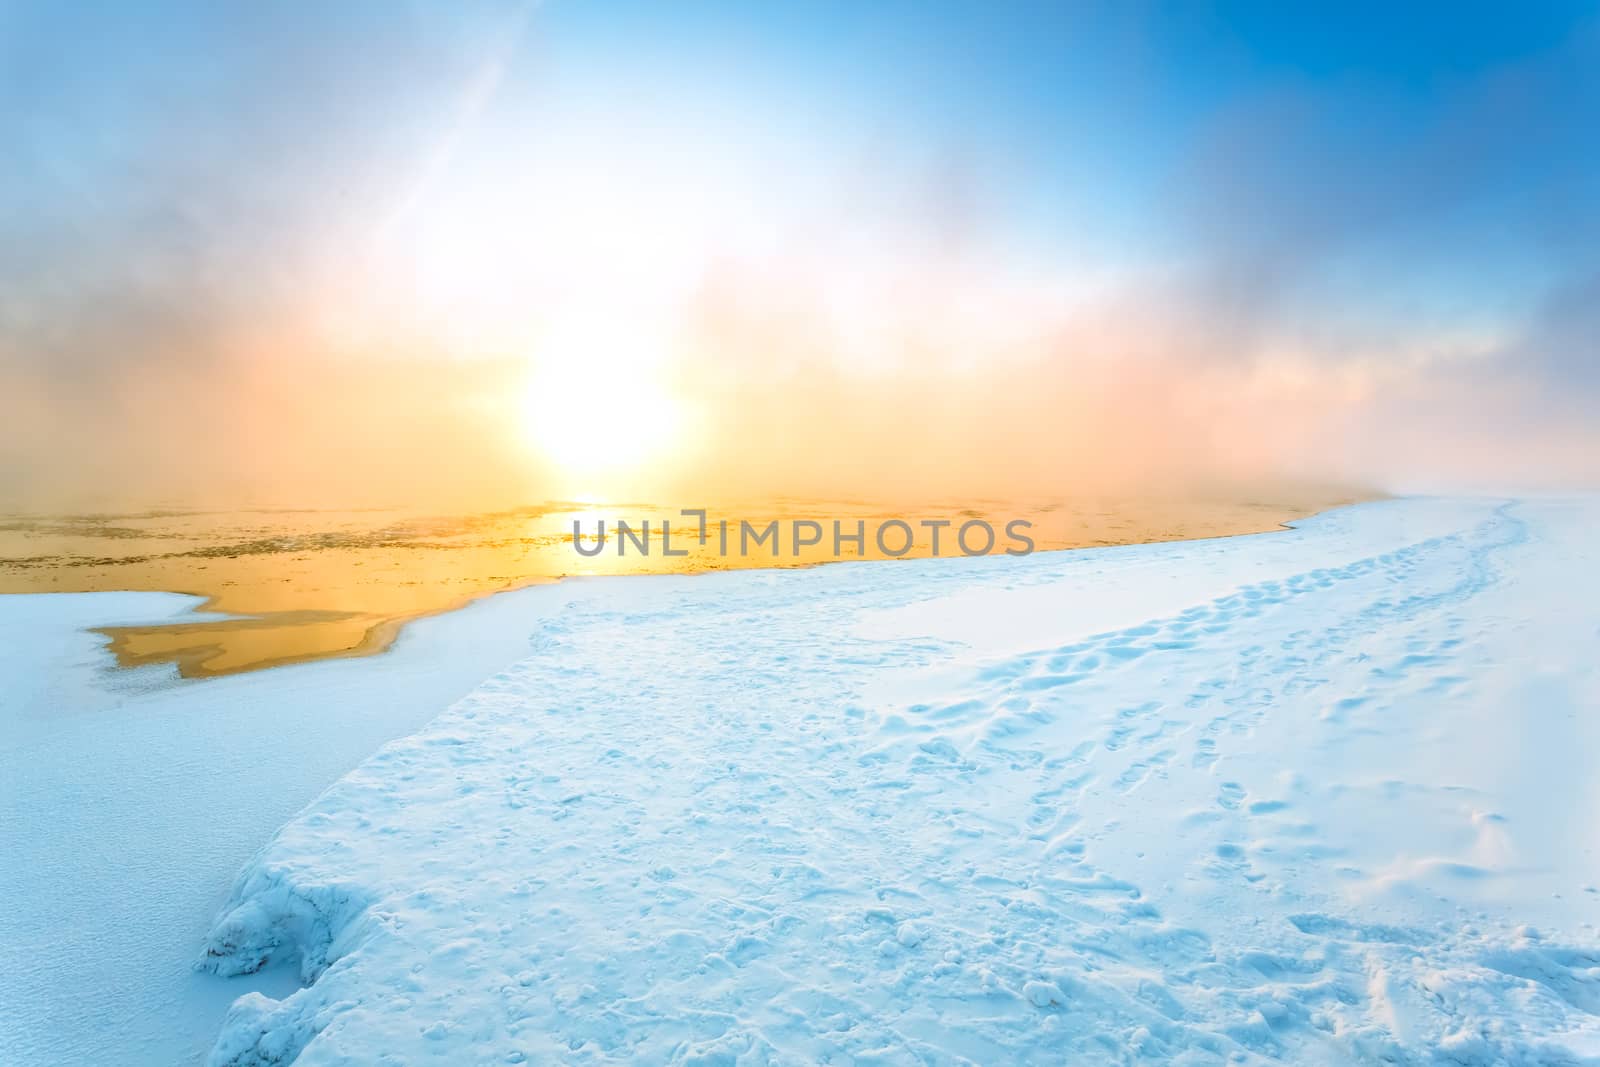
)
(1324, 796)
(129, 800)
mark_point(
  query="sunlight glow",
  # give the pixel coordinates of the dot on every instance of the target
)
(596, 404)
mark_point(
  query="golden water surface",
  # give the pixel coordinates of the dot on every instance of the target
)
(283, 586)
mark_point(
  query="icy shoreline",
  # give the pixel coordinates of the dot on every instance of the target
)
(131, 801)
(1292, 797)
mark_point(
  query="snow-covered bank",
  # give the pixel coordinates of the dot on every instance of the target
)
(1295, 797)
(128, 803)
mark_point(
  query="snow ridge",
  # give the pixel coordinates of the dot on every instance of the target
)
(709, 825)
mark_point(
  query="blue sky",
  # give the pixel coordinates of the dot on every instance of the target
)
(1337, 181)
(1080, 119)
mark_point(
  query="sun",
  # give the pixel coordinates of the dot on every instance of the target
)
(597, 405)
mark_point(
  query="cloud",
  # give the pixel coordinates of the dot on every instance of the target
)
(220, 281)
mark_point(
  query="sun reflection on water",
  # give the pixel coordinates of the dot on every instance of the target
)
(297, 585)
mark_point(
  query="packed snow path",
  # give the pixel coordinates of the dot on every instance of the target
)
(1323, 796)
